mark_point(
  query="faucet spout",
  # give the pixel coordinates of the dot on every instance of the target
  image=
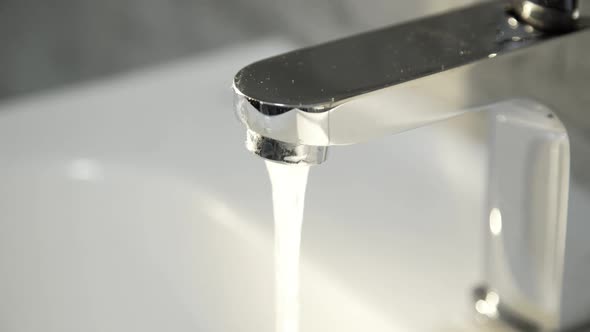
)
(391, 80)
(283, 152)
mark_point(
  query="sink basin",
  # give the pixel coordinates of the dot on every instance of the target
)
(130, 204)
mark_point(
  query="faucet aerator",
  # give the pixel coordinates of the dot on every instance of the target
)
(283, 152)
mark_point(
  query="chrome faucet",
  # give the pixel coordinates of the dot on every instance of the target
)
(524, 64)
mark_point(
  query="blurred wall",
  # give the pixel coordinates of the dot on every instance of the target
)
(45, 44)
(318, 20)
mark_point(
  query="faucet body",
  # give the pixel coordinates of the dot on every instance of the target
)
(533, 83)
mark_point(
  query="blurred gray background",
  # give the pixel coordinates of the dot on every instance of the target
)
(48, 44)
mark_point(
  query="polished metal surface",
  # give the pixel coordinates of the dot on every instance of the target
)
(532, 84)
(488, 304)
(311, 96)
(564, 5)
(548, 15)
(317, 79)
(289, 153)
(526, 215)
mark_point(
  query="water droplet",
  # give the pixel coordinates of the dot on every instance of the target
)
(292, 81)
(492, 55)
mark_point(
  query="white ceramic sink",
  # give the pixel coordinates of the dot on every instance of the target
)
(131, 204)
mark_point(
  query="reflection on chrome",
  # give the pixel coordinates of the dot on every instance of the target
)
(512, 22)
(495, 221)
(493, 298)
(489, 305)
(527, 9)
(485, 308)
(84, 170)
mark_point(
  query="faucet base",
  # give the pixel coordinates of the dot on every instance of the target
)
(487, 306)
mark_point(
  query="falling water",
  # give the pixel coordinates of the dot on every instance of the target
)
(288, 195)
